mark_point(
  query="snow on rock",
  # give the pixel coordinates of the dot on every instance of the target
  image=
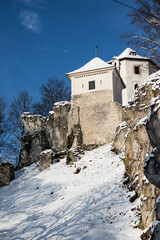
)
(140, 93)
(141, 122)
(153, 79)
(59, 204)
(61, 103)
(3, 161)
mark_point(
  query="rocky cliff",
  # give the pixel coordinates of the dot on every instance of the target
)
(133, 140)
(44, 133)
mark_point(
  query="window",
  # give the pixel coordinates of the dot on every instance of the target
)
(82, 85)
(136, 70)
(91, 85)
(135, 86)
(100, 82)
(133, 53)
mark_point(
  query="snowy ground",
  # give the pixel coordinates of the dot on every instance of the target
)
(59, 204)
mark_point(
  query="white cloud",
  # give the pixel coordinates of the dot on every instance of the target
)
(50, 49)
(33, 3)
(31, 20)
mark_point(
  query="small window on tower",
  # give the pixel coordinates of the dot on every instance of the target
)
(100, 82)
(91, 85)
(82, 85)
(136, 70)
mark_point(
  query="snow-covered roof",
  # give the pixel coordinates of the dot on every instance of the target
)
(95, 63)
(130, 53)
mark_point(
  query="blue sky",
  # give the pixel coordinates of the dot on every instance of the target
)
(40, 39)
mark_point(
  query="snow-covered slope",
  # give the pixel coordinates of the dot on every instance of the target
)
(59, 204)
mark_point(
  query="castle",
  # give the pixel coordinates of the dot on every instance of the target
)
(100, 89)
(121, 75)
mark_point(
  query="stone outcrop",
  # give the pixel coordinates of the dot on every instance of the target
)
(6, 173)
(46, 159)
(42, 133)
(133, 135)
(152, 162)
(57, 126)
(74, 143)
(35, 140)
(120, 137)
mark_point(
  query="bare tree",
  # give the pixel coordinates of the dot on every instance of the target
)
(53, 91)
(2, 109)
(19, 104)
(39, 108)
(3, 125)
(146, 19)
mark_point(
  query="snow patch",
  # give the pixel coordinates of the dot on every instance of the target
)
(61, 103)
(58, 204)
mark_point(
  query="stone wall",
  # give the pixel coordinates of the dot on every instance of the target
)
(97, 115)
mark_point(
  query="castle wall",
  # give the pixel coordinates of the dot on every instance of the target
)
(117, 88)
(97, 115)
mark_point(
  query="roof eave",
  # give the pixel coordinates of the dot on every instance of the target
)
(93, 70)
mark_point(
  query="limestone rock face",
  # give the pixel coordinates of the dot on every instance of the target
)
(46, 159)
(31, 147)
(155, 231)
(33, 123)
(152, 162)
(57, 126)
(138, 145)
(6, 174)
(42, 133)
(120, 138)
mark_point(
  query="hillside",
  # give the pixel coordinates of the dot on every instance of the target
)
(60, 204)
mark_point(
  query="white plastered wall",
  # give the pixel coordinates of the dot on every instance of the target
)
(80, 82)
(130, 78)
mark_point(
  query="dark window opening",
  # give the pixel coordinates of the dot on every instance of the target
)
(136, 69)
(133, 53)
(91, 85)
(135, 86)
